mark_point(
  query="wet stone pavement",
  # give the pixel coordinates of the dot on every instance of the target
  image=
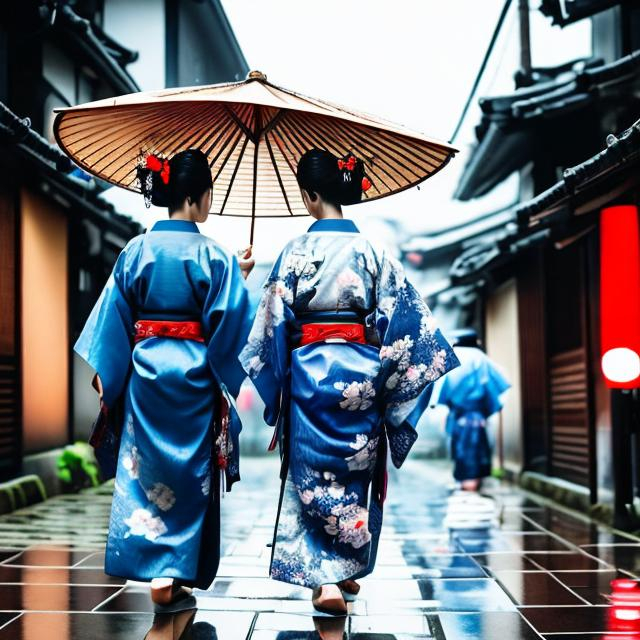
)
(542, 573)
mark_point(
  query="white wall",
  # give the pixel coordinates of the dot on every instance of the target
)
(502, 346)
(57, 68)
(140, 26)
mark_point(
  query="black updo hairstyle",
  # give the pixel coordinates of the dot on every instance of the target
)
(188, 176)
(331, 178)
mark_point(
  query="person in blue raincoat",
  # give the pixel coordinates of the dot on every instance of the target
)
(163, 339)
(473, 393)
(343, 352)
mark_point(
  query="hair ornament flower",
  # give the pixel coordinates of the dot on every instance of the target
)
(366, 184)
(155, 164)
(349, 164)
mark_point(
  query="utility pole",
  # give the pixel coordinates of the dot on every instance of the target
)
(622, 455)
(523, 77)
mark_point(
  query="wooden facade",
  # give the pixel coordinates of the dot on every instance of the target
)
(10, 387)
(578, 138)
(58, 238)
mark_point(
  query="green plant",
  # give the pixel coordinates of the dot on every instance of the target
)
(77, 468)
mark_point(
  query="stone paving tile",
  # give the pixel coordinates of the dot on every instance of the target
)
(492, 562)
(625, 557)
(93, 561)
(291, 622)
(7, 554)
(465, 595)
(299, 607)
(127, 626)
(582, 619)
(446, 566)
(567, 561)
(130, 600)
(77, 626)
(499, 542)
(583, 579)
(510, 520)
(536, 588)
(48, 597)
(55, 575)
(539, 568)
(386, 624)
(627, 635)
(592, 586)
(257, 588)
(6, 617)
(485, 626)
(290, 627)
(49, 556)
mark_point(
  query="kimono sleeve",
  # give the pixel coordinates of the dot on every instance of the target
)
(479, 385)
(495, 385)
(226, 317)
(106, 339)
(413, 355)
(265, 357)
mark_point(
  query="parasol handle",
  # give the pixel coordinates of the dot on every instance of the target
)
(251, 232)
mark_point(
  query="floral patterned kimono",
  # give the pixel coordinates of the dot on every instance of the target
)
(175, 439)
(337, 402)
(473, 394)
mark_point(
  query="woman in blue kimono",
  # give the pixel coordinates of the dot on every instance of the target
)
(164, 339)
(473, 394)
(342, 351)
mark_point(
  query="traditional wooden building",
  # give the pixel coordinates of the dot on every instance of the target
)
(531, 288)
(549, 267)
(58, 236)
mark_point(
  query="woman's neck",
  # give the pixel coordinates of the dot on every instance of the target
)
(181, 215)
(329, 212)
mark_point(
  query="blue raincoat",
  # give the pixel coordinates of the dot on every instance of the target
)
(473, 394)
(174, 436)
(337, 406)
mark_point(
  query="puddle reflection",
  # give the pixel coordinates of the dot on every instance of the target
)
(624, 613)
(187, 625)
(180, 626)
(325, 629)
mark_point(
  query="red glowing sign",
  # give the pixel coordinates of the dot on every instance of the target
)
(620, 296)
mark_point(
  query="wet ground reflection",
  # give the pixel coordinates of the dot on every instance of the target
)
(535, 572)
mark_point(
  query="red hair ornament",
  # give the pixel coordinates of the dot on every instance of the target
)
(349, 164)
(155, 164)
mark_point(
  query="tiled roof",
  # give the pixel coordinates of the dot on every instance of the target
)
(507, 131)
(109, 57)
(583, 188)
(47, 160)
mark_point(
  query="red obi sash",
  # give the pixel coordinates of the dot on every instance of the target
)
(188, 330)
(339, 331)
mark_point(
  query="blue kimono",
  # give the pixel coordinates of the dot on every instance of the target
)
(176, 439)
(473, 394)
(338, 404)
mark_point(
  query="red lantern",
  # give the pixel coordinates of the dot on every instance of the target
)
(620, 296)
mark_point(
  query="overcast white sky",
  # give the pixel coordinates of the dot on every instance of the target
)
(412, 61)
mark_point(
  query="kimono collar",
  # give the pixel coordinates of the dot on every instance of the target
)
(334, 224)
(175, 225)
